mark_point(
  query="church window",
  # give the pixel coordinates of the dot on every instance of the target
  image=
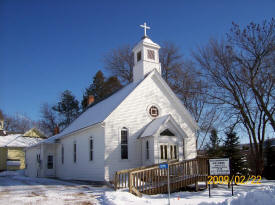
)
(38, 158)
(124, 143)
(62, 154)
(173, 152)
(151, 54)
(91, 148)
(50, 162)
(163, 152)
(167, 133)
(153, 111)
(147, 149)
(74, 152)
(183, 147)
(138, 56)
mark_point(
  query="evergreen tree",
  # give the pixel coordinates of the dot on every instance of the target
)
(67, 107)
(232, 151)
(213, 148)
(111, 85)
(269, 155)
(96, 89)
(100, 88)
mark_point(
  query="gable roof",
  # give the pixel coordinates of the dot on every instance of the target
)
(100, 111)
(155, 125)
(17, 140)
(34, 132)
(97, 113)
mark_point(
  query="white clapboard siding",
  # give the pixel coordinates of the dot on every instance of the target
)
(132, 113)
(83, 169)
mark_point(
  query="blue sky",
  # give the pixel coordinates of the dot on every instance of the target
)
(49, 46)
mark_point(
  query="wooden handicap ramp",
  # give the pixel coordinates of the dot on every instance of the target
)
(153, 180)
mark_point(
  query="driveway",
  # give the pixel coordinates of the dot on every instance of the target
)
(18, 189)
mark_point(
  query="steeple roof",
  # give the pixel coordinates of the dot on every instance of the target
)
(147, 42)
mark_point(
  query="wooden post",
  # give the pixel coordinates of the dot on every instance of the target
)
(197, 185)
(130, 180)
(115, 182)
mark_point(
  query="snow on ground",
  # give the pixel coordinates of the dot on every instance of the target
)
(243, 195)
(18, 189)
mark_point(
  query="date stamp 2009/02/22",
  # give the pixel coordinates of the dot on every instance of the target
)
(234, 179)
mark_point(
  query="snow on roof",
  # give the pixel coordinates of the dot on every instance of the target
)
(22, 141)
(154, 125)
(4, 140)
(97, 113)
(17, 140)
(145, 41)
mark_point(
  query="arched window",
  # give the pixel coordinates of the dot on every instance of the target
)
(74, 151)
(91, 148)
(124, 143)
(62, 154)
(147, 149)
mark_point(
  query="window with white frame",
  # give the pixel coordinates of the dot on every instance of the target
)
(138, 56)
(153, 111)
(124, 143)
(62, 154)
(50, 162)
(168, 151)
(74, 152)
(147, 149)
(151, 54)
(163, 152)
(173, 152)
(91, 149)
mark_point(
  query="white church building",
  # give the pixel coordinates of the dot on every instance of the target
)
(143, 123)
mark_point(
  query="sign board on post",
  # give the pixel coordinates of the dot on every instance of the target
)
(166, 166)
(219, 166)
(163, 166)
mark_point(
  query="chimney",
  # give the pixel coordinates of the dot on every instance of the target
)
(56, 130)
(1, 121)
(90, 100)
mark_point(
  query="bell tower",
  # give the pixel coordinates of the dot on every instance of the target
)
(146, 57)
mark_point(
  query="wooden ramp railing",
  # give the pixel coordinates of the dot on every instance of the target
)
(152, 180)
(121, 179)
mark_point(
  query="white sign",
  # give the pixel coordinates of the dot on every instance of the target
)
(219, 166)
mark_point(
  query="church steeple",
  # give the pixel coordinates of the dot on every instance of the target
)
(146, 56)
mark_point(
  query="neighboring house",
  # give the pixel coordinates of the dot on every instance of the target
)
(143, 123)
(12, 145)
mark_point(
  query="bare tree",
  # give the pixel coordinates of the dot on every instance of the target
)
(191, 88)
(256, 57)
(227, 67)
(49, 120)
(171, 62)
(120, 63)
(18, 123)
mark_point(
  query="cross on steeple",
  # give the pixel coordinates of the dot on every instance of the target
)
(145, 27)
